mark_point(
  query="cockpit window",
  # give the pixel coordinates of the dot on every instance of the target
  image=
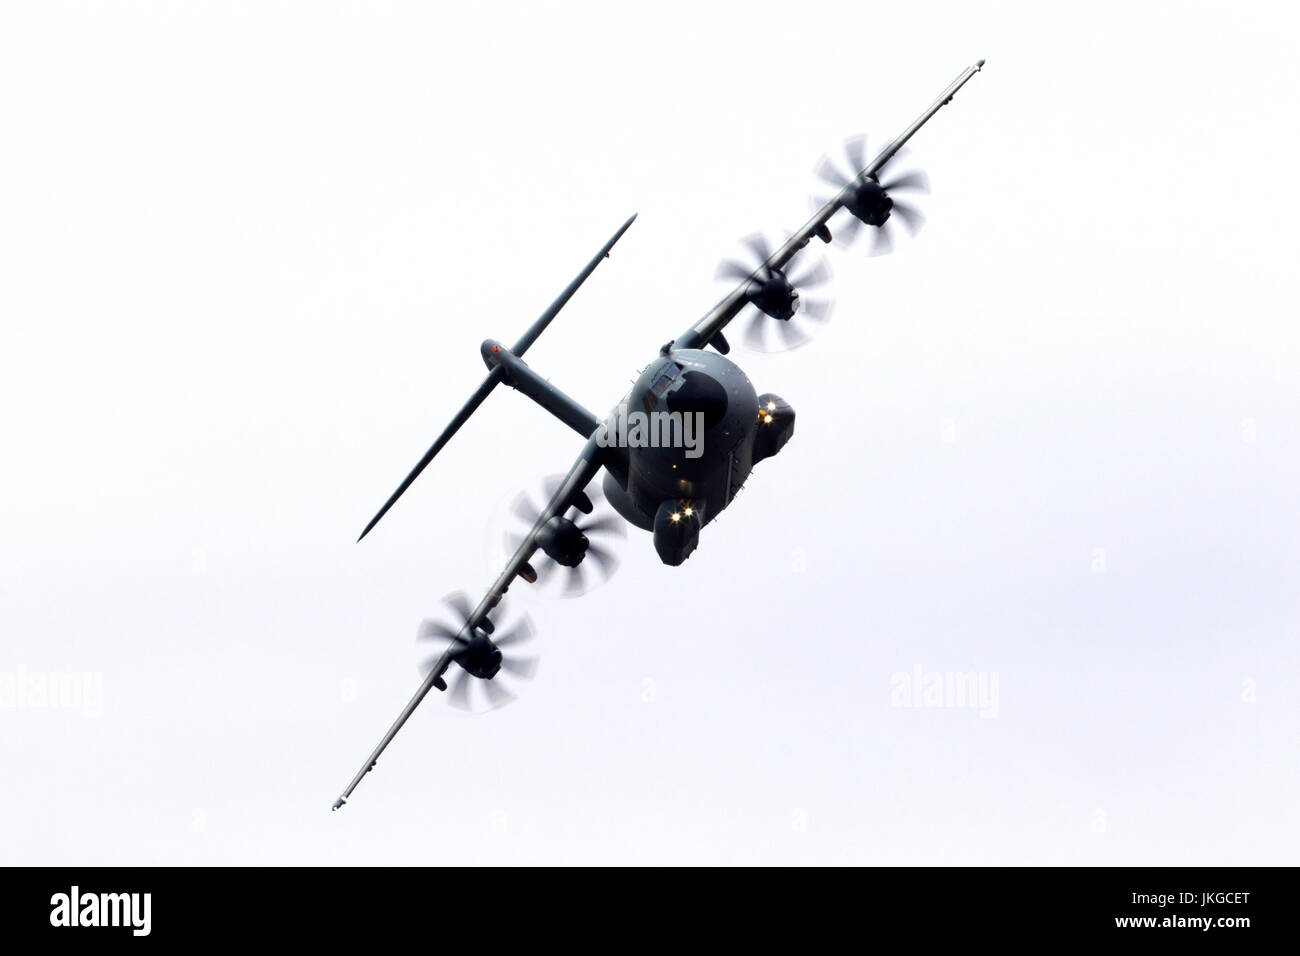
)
(666, 378)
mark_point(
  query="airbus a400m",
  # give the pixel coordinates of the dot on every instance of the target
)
(672, 489)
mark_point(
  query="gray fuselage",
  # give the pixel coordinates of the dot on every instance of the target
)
(701, 455)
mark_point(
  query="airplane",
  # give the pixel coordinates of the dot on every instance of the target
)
(718, 427)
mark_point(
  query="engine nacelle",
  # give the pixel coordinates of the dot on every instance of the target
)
(563, 542)
(480, 656)
(870, 203)
(775, 426)
(677, 530)
(774, 295)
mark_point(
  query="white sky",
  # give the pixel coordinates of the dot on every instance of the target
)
(247, 254)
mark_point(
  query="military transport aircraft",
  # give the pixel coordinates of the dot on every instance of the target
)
(682, 442)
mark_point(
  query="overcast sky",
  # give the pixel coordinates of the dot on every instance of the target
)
(247, 254)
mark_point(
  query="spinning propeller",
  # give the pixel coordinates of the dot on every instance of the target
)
(578, 549)
(491, 650)
(873, 202)
(777, 296)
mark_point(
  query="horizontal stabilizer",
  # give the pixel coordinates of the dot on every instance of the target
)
(497, 375)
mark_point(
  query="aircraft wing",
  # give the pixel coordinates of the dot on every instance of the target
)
(569, 494)
(703, 332)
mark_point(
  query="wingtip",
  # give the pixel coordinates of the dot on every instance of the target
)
(375, 520)
(609, 246)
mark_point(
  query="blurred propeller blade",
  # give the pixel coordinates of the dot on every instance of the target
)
(458, 601)
(916, 179)
(847, 232)
(732, 271)
(882, 240)
(855, 148)
(438, 634)
(911, 216)
(525, 509)
(863, 199)
(830, 174)
(575, 581)
(608, 523)
(427, 664)
(814, 276)
(603, 523)
(525, 667)
(760, 250)
(754, 335)
(436, 629)
(605, 560)
(817, 310)
(458, 694)
(497, 694)
(790, 334)
(806, 270)
(523, 631)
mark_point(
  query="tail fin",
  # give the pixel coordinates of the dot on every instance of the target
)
(496, 375)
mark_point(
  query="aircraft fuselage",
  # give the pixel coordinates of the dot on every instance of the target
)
(684, 440)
